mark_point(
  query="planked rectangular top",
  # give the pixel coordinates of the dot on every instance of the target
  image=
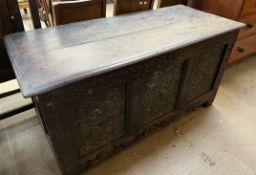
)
(46, 59)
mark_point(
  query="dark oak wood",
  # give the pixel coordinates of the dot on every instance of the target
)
(74, 11)
(166, 3)
(128, 6)
(6, 72)
(101, 95)
(10, 21)
(15, 15)
(6, 94)
(228, 8)
(6, 21)
(240, 10)
(91, 36)
(18, 110)
(33, 6)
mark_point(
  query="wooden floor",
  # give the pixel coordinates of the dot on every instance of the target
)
(223, 139)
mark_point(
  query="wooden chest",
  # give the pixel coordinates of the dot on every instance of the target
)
(240, 10)
(97, 91)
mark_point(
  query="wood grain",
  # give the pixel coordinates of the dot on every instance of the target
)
(166, 3)
(240, 10)
(34, 14)
(108, 112)
(75, 11)
(219, 133)
(228, 8)
(250, 29)
(243, 48)
(64, 59)
(249, 7)
(129, 6)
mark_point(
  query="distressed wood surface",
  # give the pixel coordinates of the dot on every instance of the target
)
(65, 57)
(89, 120)
(220, 132)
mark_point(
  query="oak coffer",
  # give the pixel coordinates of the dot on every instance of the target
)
(99, 85)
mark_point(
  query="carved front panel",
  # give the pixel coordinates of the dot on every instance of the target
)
(102, 118)
(153, 95)
(202, 70)
(93, 112)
